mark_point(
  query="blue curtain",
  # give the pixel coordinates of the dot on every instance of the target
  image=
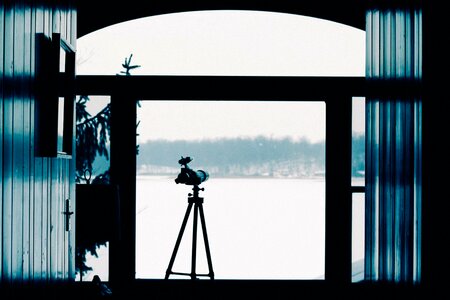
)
(394, 146)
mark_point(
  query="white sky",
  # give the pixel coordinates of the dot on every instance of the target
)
(231, 119)
(227, 43)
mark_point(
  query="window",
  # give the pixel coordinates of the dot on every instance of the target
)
(312, 47)
(264, 202)
(358, 187)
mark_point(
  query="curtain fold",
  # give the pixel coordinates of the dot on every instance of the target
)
(394, 146)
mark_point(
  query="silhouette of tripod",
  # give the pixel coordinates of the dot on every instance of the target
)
(197, 201)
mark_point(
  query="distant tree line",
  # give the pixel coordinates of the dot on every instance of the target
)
(232, 153)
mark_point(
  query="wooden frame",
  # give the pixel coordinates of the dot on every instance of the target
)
(337, 96)
(55, 96)
(66, 93)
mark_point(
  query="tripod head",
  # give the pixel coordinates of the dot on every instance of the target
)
(196, 189)
(195, 196)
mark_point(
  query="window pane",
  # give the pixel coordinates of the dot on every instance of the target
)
(92, 115)
(59, 143)
(99, 265)
(358, 141)
(358, 205)
(264, 202)
(92, 112)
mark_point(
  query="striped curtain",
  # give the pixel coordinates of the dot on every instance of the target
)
(394, 146)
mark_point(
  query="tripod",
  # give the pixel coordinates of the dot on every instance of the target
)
(197, 201)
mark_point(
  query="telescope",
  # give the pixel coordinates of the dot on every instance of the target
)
(189, 176)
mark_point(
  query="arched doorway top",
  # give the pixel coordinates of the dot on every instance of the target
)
(227, 43)
(94, 15)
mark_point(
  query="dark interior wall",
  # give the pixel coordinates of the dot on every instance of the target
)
(435, 153)
(34, 244)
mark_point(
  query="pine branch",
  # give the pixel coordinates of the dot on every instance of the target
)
(97, 116)
(127, 66)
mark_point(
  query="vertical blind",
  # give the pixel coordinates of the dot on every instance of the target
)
(394, 147)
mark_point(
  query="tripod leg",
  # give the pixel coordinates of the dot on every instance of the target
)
(194, 243)
(205, 237)
(177, 244)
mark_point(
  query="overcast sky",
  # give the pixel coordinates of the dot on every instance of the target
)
(227, 43)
